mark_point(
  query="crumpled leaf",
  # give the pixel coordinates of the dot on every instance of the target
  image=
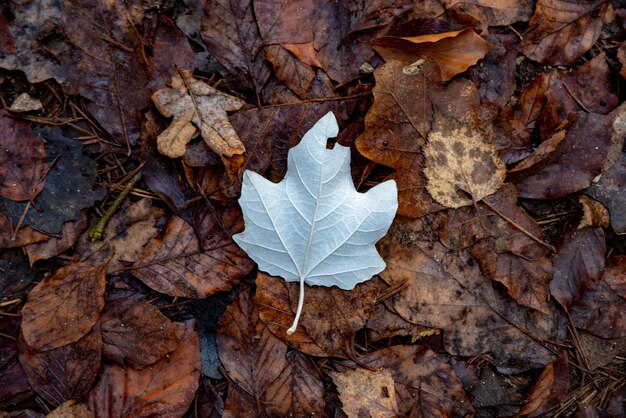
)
(64, 306)
(22, 160)
(165, 389)
(366, 393)
(454, 52)
(196, 105)
(561, 31)
(314, 227)
(461, 166)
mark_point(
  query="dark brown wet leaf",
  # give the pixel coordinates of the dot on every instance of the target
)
(70, 232)
(167, 388)
(490, 13)
(578, 263)
(64, 306)
(611, 192)
(170, 49)
(22, 160)
(550, 388)
(280, 384)
(136, 333)
(66, 372)
(178, 264)
(398, 123)
(561, 31)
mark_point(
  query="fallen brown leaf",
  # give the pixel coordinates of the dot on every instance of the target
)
(22, 160)
(578, 263)
(25, 235)
(550, 388)
(196, 105)
(386, 323)
(70, 232)
(561, 31)
(490, 12)
(66, 372)
(165, 389)
(136, 333)
(71, 409)
(460, 165)
(178, 264)
(611, 192)
(454, 52)
(398, 123)
(366, 393)
(64, 306)
(594, 214)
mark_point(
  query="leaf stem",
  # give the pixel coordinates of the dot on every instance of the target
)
(299, 310)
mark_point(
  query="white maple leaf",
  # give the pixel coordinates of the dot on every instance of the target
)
(314, 227)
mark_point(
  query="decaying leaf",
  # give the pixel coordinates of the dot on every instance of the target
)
(460, 165)
(64, 306)
(490, 12)
(550, 388)
(367, 393)
(70, 233)
(196, 105)
(454, 52)
(314, 227)
(165, 389)
(611, 192)
(594, 213)
(71, 409)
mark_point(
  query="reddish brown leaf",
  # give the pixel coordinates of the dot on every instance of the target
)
(397, 125)
(25, 235)
(561, 31)
(385, 323)
(177, 264)
(504, 253)
(136, 333)
(70, 232)
(231, 34)
(578, 263)
(575, 161)
(22, 160)
(170, 49)
(548, 99)
(290, 70)
(257, 362)
(425, 382)
(165, 389)
(64, 306)
(601, 309)
(330, 316)
(381, 13)
(490, 12)
(454, 52)
(446, 289)
(550, 388)
(66, 372)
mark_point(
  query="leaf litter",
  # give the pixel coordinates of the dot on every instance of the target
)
(500, 297)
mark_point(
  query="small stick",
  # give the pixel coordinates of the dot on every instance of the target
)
(96, 232)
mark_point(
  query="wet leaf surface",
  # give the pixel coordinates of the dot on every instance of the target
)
(549, 389)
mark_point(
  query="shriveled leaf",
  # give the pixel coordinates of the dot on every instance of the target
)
(66, 372)
(196, 105)
(22, 160)
(178, 264)
(64, 306)
(601, 308)
(504, 252)
(230, 32)
(398, 123)
(594, 214)
(611, 192)
(490, 12)
(70, 232)
(257, 362)
(550, 388)
(330, 319)
(136, 333)
(446, 289)
(425, 382)
(71, 409)
(561, 31)
(454, 52)
(167, 388)
(314, 227)
(578, 263)
(367, 393)
(460, 165)
(125, 235)
(61, 200)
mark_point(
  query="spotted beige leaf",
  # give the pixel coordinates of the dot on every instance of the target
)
(461, 166)
(367, 393)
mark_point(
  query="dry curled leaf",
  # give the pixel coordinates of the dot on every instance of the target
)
(461, 166)
(366, 393)
(64, 307)
(196, 105)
